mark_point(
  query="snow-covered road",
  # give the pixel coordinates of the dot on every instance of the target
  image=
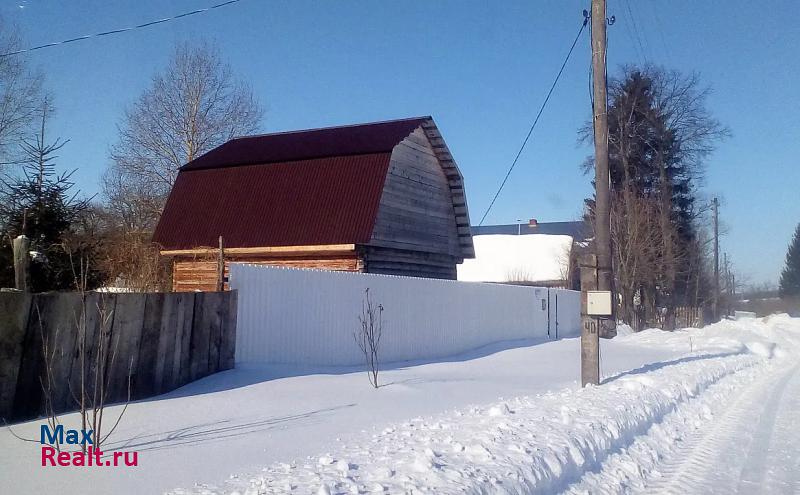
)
(752, 447)
(575, 440)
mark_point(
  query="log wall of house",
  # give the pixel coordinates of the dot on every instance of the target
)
(201, 274)
(415, 230)
(389, 261)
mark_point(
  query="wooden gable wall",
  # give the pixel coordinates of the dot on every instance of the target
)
(415, 230)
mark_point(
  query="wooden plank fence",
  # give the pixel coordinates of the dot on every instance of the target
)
(157, 342)
(685, 317)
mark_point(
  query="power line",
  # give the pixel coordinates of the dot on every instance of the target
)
(121, 30)
(637, 48)
(660, 30)
(536, 120)
(636, 30)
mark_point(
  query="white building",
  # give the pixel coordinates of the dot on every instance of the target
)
(534, 253)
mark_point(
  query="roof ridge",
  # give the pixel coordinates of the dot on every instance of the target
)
(284, 161)
(344, 126)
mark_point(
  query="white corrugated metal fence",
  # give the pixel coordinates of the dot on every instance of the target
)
(288, 315)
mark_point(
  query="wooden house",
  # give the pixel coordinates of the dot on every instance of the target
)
(383, 197)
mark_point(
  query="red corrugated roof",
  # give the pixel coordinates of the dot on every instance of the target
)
(360, 139)
(310, 202)
(315, 187)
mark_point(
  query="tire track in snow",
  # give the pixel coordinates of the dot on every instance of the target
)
(729, 456)
(688, 469)
(784, 454)
(656, 454)
(761, 461)
(753, 473)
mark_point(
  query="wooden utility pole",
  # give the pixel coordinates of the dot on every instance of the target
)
(21, 246)
(602, 209)
(715, 207)
(220, 267)
(726, 277)
(591, 324)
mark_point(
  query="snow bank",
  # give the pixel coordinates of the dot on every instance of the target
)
(550, 442)
(514, 258)
(776, 334)
(522, 445)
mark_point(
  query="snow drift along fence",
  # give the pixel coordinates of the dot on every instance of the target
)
(297, 316)
(160, 340)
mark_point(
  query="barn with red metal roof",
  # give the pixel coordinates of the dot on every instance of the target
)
(384, 197)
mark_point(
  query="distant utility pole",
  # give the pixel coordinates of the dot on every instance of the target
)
(715, 207)
(598, 305)
(726, 277)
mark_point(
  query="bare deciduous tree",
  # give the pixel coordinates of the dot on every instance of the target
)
(20, 96)
(368, 335)
(636, 240)
(195, 104)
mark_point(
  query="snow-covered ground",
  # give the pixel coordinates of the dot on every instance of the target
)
(691, 411)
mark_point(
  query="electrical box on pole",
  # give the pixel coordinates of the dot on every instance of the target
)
(598, 303)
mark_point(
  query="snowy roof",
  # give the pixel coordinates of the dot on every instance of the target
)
(578, 230)
(517, 258)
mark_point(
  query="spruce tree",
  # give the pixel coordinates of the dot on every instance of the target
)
(790, 277)
(41, 205)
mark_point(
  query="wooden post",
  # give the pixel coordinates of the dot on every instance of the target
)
(590, 336)
(21, 247)
(220, 267)
(596, 272)
(602, 209)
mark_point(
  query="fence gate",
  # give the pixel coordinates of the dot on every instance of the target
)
(552, 317)
(556, 314)
(548, 311)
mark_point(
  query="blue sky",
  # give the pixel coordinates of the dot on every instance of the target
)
(480, 68)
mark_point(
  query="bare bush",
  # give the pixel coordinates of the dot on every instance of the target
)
(136, 264)
(96, 359)
(368, 335)
(520, 275)
(123, 258)
(96, 377)
(47, 377)
(95, 355)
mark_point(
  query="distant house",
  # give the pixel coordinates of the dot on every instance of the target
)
(529, 253)
(383, 197)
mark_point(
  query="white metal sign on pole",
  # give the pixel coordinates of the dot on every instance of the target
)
(598, 303)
